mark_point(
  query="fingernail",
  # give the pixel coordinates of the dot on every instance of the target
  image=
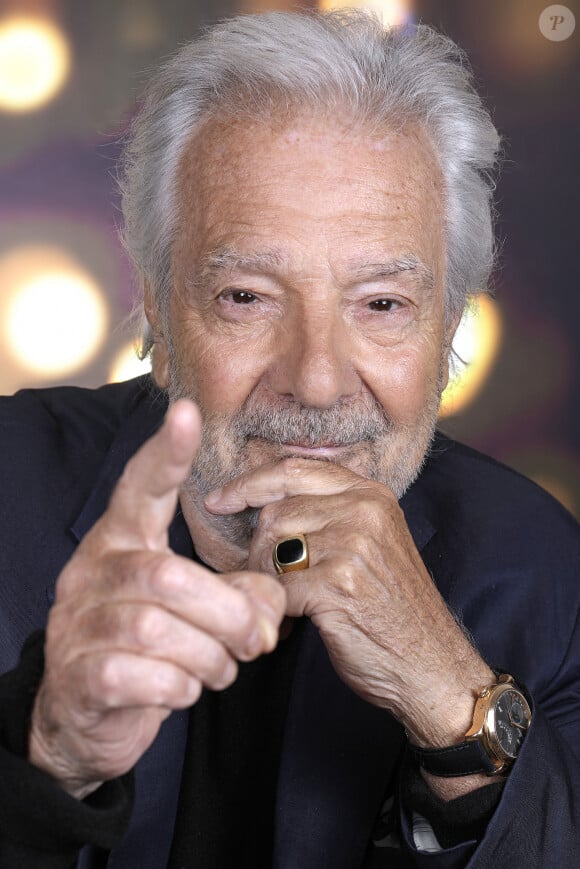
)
(269, 633)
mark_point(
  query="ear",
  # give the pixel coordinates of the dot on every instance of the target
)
(159, 351)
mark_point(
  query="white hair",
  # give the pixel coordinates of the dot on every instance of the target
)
(339, 62)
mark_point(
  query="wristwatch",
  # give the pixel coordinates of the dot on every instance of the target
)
(501, 719)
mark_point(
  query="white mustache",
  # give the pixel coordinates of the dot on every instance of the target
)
(342, 424)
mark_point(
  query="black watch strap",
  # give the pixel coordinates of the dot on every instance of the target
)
(466, 758)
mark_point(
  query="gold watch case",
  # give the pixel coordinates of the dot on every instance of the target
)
(501, 719)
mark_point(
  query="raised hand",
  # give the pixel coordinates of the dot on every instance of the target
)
(136, 631)
(385, 625)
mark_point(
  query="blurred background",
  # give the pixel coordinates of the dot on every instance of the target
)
(70, 75)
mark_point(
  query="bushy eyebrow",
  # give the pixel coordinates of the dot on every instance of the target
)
(228, 260)
(272, 261)
(366, 271)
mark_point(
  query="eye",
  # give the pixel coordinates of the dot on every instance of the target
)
(240, 297)
(384, 305)
(243, 306)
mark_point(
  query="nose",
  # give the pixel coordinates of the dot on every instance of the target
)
(314, 360)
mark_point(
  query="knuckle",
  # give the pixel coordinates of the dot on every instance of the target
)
(268, 516)
(355, 541)
(372, 513)
(165, 577)
(292, 465)
(147, 627)
(72, 579)
(106, 682)
(347, 574)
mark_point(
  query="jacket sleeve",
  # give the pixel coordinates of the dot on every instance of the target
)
(506, 559)
(537, 820)
(41, 826)
(538, 816)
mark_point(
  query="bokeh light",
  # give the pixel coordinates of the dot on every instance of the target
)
(392, 12)
(34, 62)
(53, 313)
(127, 364)
(476, 344)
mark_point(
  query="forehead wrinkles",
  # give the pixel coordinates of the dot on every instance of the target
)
(233, 149)
(224, 182)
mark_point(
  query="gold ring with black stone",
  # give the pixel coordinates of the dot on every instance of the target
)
(291, 554)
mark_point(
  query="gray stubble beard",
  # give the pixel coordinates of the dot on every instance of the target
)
(224, 451)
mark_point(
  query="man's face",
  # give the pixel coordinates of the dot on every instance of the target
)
(307, 315)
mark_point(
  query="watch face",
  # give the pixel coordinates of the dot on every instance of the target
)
(511, 722)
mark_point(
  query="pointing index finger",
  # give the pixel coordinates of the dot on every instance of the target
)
(144, 500)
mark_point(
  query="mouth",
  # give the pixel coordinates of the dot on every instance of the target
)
(328, 450)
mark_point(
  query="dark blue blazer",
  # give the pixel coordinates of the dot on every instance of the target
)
(505, 556)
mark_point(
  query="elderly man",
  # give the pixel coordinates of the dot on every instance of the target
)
(307, 201)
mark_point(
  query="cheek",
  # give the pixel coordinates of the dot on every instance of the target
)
(221, 373)
(225, 379)
(404, 381)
